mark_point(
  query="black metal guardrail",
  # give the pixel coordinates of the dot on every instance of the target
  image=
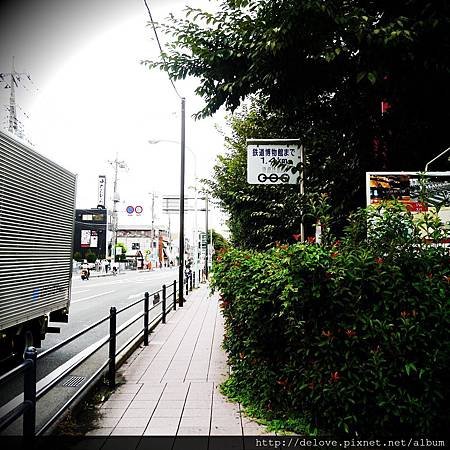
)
(27, 408)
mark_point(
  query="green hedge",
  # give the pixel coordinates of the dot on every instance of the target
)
(354, 336)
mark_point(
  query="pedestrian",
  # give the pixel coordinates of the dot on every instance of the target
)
(85, 267)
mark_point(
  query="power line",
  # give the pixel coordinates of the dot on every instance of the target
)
(160, 46)
(12, 80)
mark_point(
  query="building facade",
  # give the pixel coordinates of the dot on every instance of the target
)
(146, 247)
(90, 233)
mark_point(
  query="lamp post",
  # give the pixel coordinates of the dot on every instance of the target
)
(182, 172)
(181, 245)
(153, 258)
(182, 176)
(435, 158)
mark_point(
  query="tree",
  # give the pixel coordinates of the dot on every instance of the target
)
(219, 241)
(122, 257)
(324, 68)
(259, 216)
(90, 256)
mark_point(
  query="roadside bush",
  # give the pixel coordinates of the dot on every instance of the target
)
(91, 257)
(351, 335)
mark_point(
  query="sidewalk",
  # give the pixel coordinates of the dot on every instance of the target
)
(171, 387)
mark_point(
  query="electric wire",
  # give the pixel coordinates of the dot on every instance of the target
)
(160, 46)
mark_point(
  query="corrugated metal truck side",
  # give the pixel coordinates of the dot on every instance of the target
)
(37, 213)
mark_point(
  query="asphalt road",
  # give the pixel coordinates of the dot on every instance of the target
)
(90, 301)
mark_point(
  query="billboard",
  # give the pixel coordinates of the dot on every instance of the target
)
(89, 239)
(85, 238)
(407, 187)
(90, 232)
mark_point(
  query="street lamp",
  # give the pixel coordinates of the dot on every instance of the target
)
(182, 174)
(435, 158)
(195, 240)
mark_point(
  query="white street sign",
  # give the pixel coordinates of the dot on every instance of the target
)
(261, 155)
(101, 191)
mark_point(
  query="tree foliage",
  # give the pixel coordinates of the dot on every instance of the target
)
(259, 215)
(220, 243)
(324, 68)
(122, 257)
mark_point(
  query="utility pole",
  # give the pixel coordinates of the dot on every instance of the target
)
(12, 80)
(206, 236)
(13, 125)
(211, 243)
(117, 165)
(195, 240)
(153, 227)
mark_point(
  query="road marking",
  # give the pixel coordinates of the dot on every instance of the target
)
(92, 296)
(79, 292)
(136, 295)
(102, 284)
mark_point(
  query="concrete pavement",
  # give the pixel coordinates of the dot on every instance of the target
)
(171, 387)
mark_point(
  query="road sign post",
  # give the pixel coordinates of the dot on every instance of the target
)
(269, 162)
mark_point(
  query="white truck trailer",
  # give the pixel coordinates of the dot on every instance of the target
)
(37, 216)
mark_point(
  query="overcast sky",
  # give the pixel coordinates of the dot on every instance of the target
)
(90, 97)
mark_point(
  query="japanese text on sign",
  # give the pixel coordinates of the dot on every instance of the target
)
(271, 163)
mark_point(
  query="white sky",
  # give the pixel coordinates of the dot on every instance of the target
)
(95, 100)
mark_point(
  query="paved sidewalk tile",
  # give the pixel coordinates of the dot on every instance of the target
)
(172, 386)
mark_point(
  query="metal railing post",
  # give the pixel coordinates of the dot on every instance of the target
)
(163, 319)
(180, 294)
(190, 281)
(187, 286)
(112, 348)
(174, 295)
(193, 278)
(29, 393)
(146, 305)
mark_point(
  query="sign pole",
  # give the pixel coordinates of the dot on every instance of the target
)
(262, 168)
(302, 191)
